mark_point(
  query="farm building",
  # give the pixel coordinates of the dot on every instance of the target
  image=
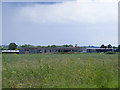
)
(10, 51)
(57, 50)
(63, 49)
(50, 50)
(95, 50)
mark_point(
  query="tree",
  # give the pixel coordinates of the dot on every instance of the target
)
(119, 48)
(12, 46)
(75, 45)
(43, 46)
(66, 45)
(28, 46)
(48, 46)
(4, 47)
(109, 46)
(70, 45)
(114, 47)
(53, 45)
(39, 46)
(102, 46)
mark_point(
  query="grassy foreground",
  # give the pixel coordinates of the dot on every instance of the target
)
(60, 71)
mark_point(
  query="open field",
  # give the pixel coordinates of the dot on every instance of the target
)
(95, 70)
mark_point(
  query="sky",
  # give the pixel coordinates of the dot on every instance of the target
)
(82, 22)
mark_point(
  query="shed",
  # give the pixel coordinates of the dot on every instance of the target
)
(10, 51)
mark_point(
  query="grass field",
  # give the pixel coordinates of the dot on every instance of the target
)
(97, 70)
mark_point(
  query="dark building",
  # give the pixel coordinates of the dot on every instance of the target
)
(97, 50)
(63, 49)
(50, 50)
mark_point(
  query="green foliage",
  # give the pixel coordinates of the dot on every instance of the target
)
(48, 46)
(12, 46)
(109, 46)
(27, 46)
(4, 48)
(119, 48)
(96, 70)
(102, 46)
(67, 45)
(43, 46)
(53, 45)
(39, 46)
(70, 45)
(110, 52)
(17, 49)
(75, 45)
(114, 47)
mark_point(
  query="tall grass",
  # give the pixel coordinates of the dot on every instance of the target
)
(60, 71)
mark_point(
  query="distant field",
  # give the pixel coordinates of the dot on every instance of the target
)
(96, 70)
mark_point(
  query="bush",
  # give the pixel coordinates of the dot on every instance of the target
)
(110, 52)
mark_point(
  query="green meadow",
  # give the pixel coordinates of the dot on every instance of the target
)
(85, 70)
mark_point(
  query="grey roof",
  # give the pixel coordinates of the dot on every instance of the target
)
(99, 48)
(54, 48)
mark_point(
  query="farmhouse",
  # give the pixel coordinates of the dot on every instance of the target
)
(10, 51)
(50, 50)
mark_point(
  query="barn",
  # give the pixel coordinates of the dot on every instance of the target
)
(50, 50)
(97, 50)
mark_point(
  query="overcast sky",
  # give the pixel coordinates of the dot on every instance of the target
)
(94, 22)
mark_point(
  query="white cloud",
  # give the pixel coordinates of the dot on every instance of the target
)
(68, 12)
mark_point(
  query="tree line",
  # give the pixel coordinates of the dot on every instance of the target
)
(14, 46)
(108, 46)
